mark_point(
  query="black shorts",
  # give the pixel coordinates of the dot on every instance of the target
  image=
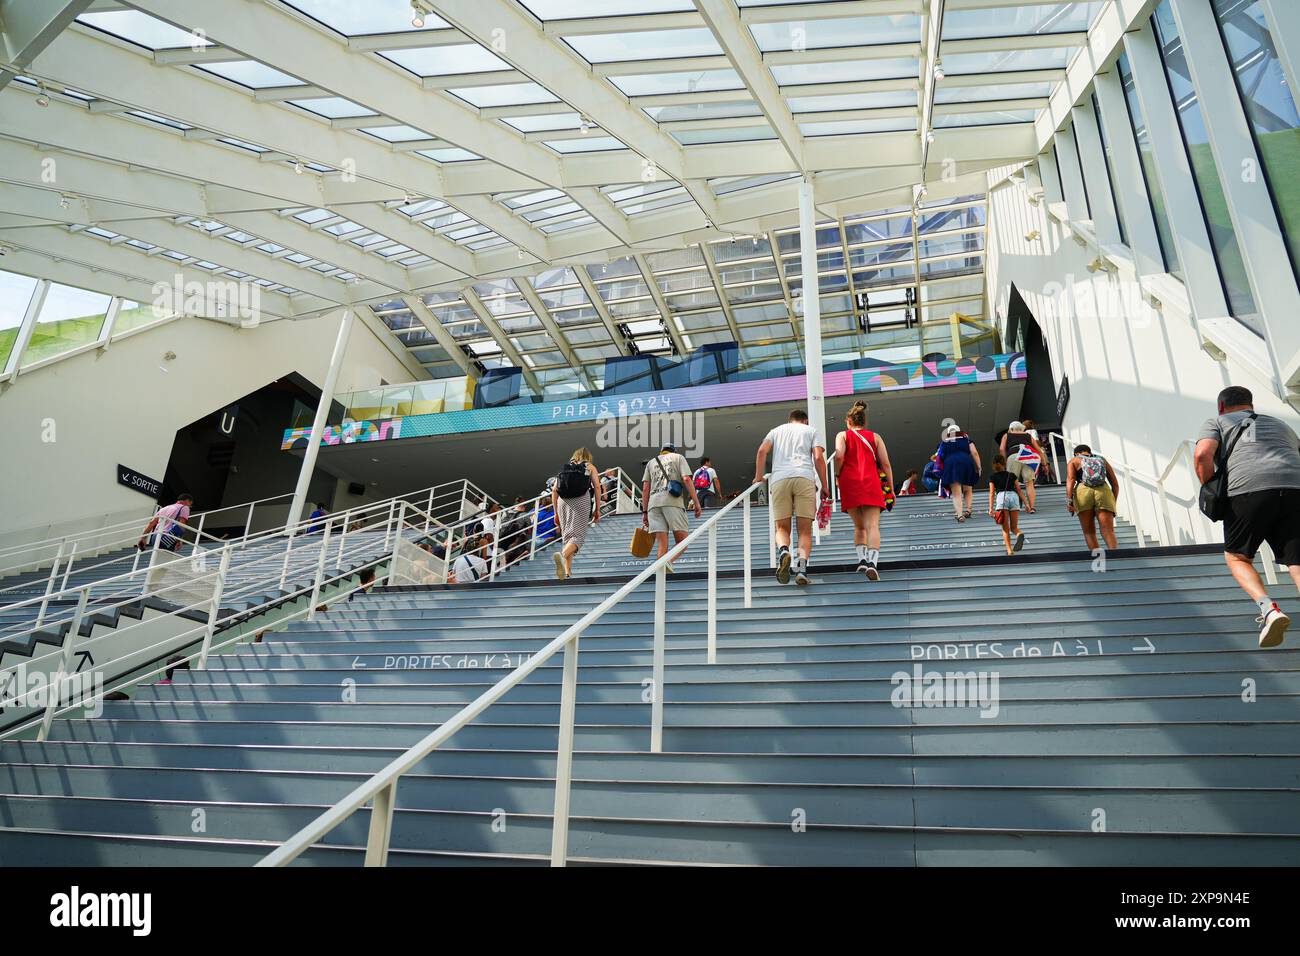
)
(1259, 516)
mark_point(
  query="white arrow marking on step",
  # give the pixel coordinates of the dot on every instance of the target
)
(357, 663)
(1150, 648)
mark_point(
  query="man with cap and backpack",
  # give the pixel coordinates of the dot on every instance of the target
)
(1091, 488)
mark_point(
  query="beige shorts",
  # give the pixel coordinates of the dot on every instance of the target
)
(1094, 499)
(797, 495)
(670, 518)
(1024, 471)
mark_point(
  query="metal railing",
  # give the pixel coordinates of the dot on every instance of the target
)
(397, 519)
(381, 789)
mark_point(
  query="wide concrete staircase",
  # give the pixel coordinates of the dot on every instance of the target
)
(1135, 722)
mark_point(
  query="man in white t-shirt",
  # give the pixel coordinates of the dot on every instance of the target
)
(663, 512)
(798, 463)
(469, 568)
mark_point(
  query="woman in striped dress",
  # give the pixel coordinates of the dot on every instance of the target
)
(575, 493)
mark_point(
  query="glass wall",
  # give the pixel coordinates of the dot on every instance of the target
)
(1269, 106)
(1214, 205)
(69, 318)
(1155, 194)
(15, 295)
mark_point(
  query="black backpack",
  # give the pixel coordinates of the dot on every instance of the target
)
(573, 481)
(1214, 493)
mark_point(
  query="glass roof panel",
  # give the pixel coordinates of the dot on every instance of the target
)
(504, 94)
(976, 94)
(548, 121)
(891, 68)
(1019, 20)
(739, 135)
(142, 29)
(1054, 58)
(846, 127)
(372, 16)
(654, 84)
(447, 60)
(587, 144)
(396, 134)
(453, 155)
(252, 74)
(992, 118)
(695, 111)
(646, 45)
(848, 31)
(333, 107)
(576, 9)
(852, 101)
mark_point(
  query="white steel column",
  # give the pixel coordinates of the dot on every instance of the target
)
(812, 310)
(1283, 17)
(1076, 194)
(322, 410)
(1130, 181)
(1104, 219)
(1245, 186)
(1182, 203)
(34, 305)
(1050, 176)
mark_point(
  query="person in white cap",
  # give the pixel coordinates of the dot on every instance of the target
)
(1023, 455)
(959, 461)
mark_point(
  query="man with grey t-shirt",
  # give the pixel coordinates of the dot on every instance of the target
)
(1263, 468)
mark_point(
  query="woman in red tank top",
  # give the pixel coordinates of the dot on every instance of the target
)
(860, 456)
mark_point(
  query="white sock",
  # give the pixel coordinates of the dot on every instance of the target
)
(1265, 604)
(862, 552)
(873, 555)
(800, 563)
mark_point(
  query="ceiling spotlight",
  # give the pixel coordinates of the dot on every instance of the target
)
(929, 137)
(520, 253)
(4, 250)
(297, 166)
(1032, 236)
(65, 202)
(938, 71)
(584, 126)
(42, 98)
(417, 17)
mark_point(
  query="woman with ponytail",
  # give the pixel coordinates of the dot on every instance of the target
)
(860, 458)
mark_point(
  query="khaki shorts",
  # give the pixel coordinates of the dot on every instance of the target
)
(671, 518)
(1023, 470)
(797, 495)
(1094, 499)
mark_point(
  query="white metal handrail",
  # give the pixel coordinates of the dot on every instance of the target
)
(381, 789)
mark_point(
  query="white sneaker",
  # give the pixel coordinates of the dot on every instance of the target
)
(559, 565)
(1273, 627)
(783, 567)
(801, 574)
(872, 572)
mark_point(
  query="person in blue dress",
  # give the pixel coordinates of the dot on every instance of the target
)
(959, 462)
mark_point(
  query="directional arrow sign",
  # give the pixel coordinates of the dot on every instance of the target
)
(357, 663)
(86, 661)
(1149, 648)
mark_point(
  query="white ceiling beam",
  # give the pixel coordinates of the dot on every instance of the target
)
(475, 303)
(553, 329)
(278, 94)
(597, 303)
(737, 42)
(406, 40)
(657, 296)
(189, 56)
(27, 28)
(449, 81)
(269, 34)
(445, 339)
(85, 62)
(999, 79)
(58, 243)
